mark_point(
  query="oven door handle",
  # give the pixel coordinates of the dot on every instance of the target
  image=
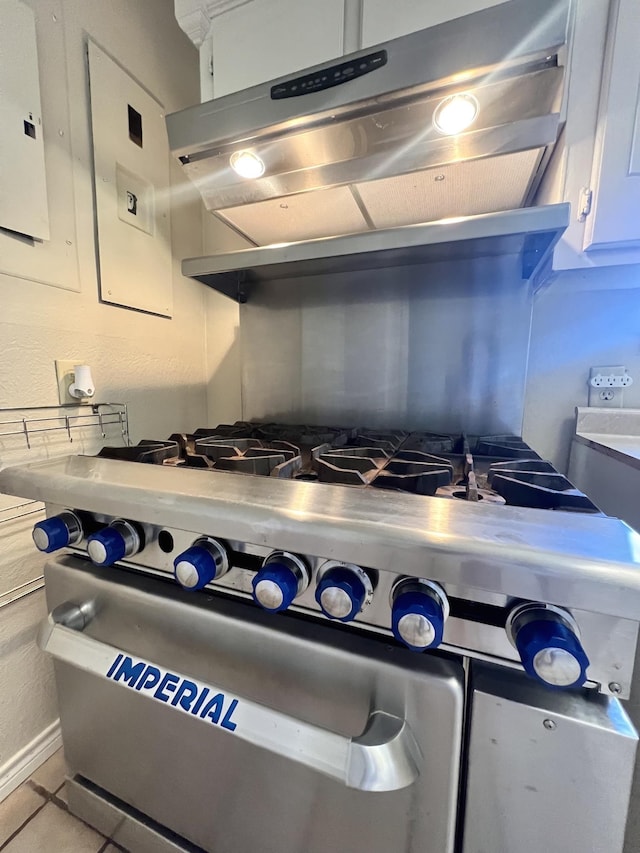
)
(385, 757)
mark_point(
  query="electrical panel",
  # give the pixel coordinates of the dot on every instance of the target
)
(23, 195)
(132, 186)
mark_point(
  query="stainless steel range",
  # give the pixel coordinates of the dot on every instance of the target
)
(298, 638)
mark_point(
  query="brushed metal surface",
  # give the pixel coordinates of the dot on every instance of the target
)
(547, 770)
(443, 345)
(514, 33)
(365, 148)
(383, 125)
(486, 236)
(611, 478)
(197, 783)
(582, 561)
(383, 758)
(457, 189)
(133, 831)
(612, 422)
(625, 449)
(610, 642)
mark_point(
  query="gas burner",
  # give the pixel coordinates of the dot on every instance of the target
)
(432, 442)
(470, 493)
(241, 429)
(412, 471)
(350, 466)
(537, 485)
(406, 470)
(215, 447)
(305, 435)
(251, 456)
(388, 440)
(503, 447)
(151, 452)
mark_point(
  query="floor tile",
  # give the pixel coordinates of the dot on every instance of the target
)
(17, 807)
(50, 775)
(55, 830)
(61, 794)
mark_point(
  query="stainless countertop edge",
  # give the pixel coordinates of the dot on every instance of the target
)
(501, 561)
(614, 453)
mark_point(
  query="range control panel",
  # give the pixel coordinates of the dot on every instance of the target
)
(556, 646)
(328, 77)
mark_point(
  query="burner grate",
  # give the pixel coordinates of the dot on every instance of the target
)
(498, 469)
(536, 485)
(151, 452)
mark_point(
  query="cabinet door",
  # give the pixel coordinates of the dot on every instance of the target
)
(265, 39)
(615, 217)
(382, 20)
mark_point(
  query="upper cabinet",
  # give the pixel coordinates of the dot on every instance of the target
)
(246, 42)
(383, 20)
(265, 39)
(615, 183)
(596, 165)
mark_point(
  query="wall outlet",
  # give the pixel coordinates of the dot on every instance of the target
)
(65, 376)
(607, 384)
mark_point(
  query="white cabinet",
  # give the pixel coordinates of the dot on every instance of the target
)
(596, 165)
(383, 20)
(264, 39)
(247, 43)
(615, 212)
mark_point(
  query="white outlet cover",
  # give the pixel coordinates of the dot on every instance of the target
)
(65, 375)
(606, 397)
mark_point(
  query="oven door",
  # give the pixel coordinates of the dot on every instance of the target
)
(240, 730)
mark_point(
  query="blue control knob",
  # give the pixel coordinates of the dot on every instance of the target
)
(106, 547)
(282, 577)
(341, 593)
(419, 612)
(57, 532)
(200, 564)
(115, 542)
(275, 586)
(550, 650)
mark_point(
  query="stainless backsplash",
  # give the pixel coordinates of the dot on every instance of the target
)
(441, 347)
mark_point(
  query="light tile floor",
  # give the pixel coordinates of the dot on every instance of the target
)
(35, 817)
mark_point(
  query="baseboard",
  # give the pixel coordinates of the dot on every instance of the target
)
(25, 762)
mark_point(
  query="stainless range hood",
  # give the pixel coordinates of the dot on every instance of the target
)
(453, 121)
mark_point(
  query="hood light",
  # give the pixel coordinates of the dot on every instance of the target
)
(247, 164)
(455, 114)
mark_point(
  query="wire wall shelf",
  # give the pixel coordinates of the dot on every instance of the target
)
(29, 421)
(20, 510)
(20, 426)
(17, 512)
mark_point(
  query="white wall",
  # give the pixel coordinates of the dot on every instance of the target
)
(159, 366)
(582, 319)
